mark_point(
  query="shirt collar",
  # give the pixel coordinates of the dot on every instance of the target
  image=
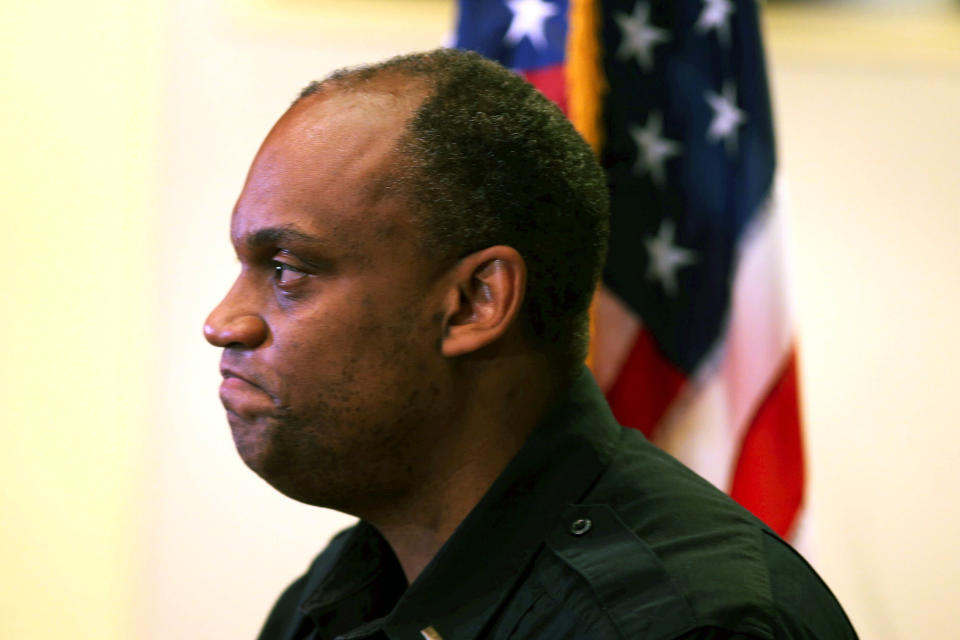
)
(463, 586)
(362, 582)
(471, 575)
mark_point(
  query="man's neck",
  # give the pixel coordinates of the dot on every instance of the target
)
(501, 412)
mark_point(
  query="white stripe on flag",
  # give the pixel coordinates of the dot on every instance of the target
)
(706, 424)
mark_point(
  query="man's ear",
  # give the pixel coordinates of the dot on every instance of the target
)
(484, 300)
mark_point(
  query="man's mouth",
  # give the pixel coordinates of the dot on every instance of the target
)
(244, 398)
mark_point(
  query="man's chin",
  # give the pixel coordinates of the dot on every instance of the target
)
(253, 441)
(279, 468)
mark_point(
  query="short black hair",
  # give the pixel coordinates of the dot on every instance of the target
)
(492, 161)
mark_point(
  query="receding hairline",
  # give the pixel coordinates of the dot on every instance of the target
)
(405, 93)
(401, 84)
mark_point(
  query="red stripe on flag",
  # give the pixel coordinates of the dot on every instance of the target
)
(551, 81)
(768, 478)
(645, 387)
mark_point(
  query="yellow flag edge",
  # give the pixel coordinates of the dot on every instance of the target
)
(586, 86)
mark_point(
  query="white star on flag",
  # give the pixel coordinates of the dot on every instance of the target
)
(639, 36)
(726, 116)
(666, 257)
(653, 150)
(714, 17)
(528, 21)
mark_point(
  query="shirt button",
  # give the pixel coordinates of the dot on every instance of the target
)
(580, 526)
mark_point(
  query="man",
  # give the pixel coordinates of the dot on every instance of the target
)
(419, 241)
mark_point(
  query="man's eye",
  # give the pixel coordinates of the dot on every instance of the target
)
(285, 274)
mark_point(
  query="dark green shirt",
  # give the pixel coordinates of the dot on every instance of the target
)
(589, 533)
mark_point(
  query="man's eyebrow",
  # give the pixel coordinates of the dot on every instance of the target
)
(278, 236)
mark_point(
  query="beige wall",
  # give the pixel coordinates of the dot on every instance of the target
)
(79, 177)
(127, 129)
(868, 115)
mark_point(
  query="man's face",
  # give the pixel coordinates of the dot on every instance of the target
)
(332, 374)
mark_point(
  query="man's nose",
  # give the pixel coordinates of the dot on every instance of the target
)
(230, 326)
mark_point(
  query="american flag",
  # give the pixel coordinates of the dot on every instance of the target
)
(692, 332)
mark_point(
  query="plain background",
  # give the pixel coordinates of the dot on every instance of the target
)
(127, 129)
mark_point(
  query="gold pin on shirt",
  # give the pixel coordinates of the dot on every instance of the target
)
(430, 634)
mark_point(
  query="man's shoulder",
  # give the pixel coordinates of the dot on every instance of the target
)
(655, 551)
(286, 615)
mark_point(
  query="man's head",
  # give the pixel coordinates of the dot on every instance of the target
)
(487, 160)
(401, 224)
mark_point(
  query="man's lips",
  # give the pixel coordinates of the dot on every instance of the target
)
(231, 374)
(243, 397)
(239, 385)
